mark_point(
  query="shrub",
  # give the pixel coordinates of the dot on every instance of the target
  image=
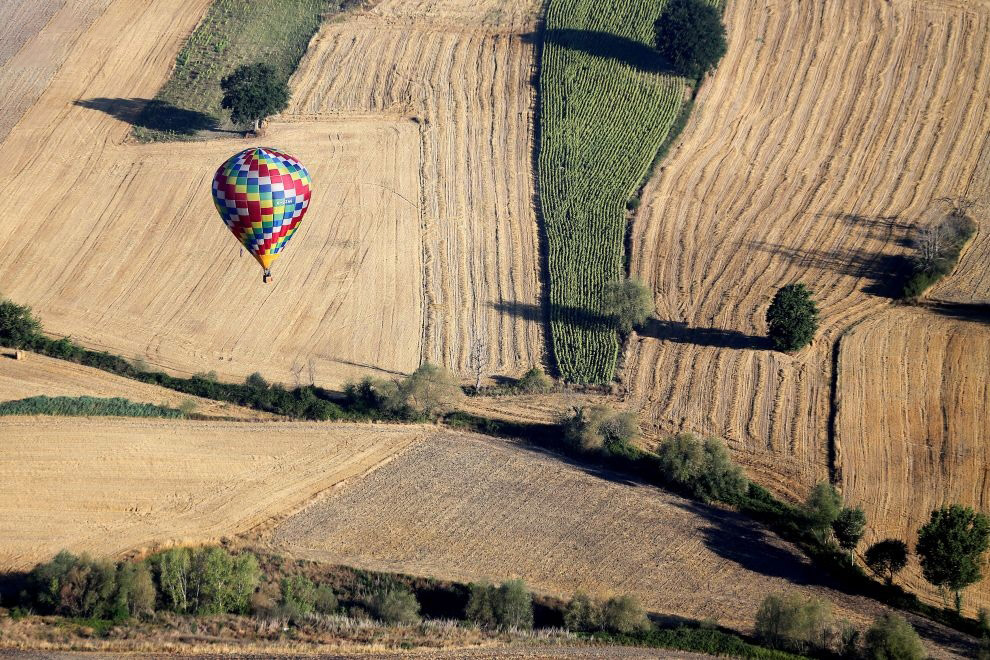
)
(75, 586)
(691, 36)
(298, 594)
(793, 622)
(704, 469)
(629, 303)
(507, 606)
(623, 614)
(395, 605)
(951, 547)
(85, 406)
(892, 638)
(325, 601)
(253, 92)
(848, 527)
(370, 395)
(18, 327)
(534, 381)
(256, 381)
(582, 613)
(886, 558)
(594, 428)
(792, 318)
(430, 390)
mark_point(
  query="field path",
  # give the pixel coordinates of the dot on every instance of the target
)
(827, 132)
(109, 486)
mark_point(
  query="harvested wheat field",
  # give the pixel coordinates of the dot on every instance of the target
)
(828, 130)
(110, 486)
(37, 375)
(912, 424)
(421, 236)
(463, 70)
(462, 507)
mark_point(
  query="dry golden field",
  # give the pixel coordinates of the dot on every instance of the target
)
(913, 416)
(38, 375)
(463, 71)
(421, 237)
(827, 132)
(109, 486)
(463, 507)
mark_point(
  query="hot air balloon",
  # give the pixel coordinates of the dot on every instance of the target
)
(262, 195)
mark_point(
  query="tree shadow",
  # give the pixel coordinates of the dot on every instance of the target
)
(574, 316)
(154, 114)
(679, 332)
(885, 274)
(738, 539)
(606, 45)
(973, 312)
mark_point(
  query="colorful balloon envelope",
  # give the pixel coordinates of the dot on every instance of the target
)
(262, 195)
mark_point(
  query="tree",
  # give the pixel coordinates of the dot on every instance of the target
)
(135, 589)
(702, 468)
(481, 605)
(886, 558)
(822, 507)
(951, 546)
(892, 638)
(623, 614)
(429, 390)
(792, 317)
(793, 622)
(18, 327)
(628, 303)
(848, 527)
(514, 605)
(253, 92)
(690, 34)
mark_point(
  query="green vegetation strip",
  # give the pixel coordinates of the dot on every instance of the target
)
(233, 32)
(85, 406)
(606, 109)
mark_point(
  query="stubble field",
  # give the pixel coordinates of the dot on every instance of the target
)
(109, 486)
(827, 132)
(911, 426)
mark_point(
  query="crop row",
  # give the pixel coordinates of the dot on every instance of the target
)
(606, 107)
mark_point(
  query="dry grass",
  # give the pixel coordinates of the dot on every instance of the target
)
(912, 426)
(111, 486)
(37, 375)
(827, 131)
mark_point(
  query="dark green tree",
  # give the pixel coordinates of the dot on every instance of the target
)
(848, 527)
(951, 546)
(690, 34)
(253, 92)
(792, 317)
(628, 303)
(887, 558)
(18, 327)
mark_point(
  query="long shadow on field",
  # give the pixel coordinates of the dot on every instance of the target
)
(679, 332)
(603, 44)
(575, 316)
(734, 537)
(885, 274)
(153, 114)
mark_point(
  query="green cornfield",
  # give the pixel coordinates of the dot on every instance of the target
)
(606, 107)
(85, 406)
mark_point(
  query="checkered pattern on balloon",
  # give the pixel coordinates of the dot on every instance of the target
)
(262, 195)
